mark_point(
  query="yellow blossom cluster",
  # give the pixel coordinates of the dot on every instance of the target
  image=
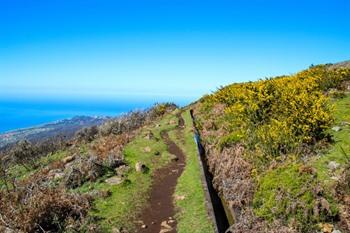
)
(277, 115)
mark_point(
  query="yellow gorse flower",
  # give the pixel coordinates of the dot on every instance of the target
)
(280, 113)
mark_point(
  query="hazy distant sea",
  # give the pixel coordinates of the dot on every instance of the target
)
(15, 114)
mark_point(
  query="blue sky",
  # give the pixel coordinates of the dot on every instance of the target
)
(175, 49)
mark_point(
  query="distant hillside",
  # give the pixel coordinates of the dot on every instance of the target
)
(65, 128)
(344, 64)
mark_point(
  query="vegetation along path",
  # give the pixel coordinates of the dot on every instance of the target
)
(159, 216)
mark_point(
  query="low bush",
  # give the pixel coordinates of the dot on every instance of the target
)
(292, 193)
(280, 114)
(38, 209)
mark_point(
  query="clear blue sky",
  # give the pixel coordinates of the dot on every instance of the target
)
(102, 49)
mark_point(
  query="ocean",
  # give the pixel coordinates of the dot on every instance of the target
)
(16, 114)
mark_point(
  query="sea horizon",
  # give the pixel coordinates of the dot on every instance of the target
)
(16, 114)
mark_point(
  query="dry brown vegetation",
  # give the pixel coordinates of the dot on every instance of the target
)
(43, 200)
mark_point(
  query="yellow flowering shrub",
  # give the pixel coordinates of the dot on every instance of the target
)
(277, 115)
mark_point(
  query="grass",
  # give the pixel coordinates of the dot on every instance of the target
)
(128, 199)
(192, 213)
(341, 145)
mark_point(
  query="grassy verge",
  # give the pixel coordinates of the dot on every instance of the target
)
(192, 213)
(128, 199)
(340, 150)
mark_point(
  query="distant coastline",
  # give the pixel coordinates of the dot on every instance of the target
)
(23, 114)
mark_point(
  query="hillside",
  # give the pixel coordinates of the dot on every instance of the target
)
(279, 150)
(66, 128)
(272, 156)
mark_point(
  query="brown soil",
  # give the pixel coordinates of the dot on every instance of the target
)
(159, 215)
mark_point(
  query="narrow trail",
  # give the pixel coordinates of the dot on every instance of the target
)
(159, 215)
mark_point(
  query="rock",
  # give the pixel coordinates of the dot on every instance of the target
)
(345, 123)
(59, 175)
(140, 167)
(157, 125)
(332, 165)
(122, 170)
(179, 197)
(165, 227)
(149, 135)
(115, 180)
(336, 178)
(68, 159)
(171, 221)
(336, 128)
(147, 149)
(173, 157)
(326, 227)
(144, 226)
(53, 172)
(172, 122)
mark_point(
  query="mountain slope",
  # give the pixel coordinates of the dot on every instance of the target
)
(268, 146)
(65, 128)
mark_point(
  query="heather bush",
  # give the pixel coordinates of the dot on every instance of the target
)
(39, 209)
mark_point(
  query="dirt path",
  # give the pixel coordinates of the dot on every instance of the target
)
(159, 215)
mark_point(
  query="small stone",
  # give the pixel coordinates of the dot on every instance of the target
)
(326, 227)
(336, 178)
(171, 221)
(140, 167)
(345, 123)
(165, 225)
(170, 218)
(149, 135)
(332, 165)
(172, 122)
(179, 197)
(68, 159)
(115, 180)
(173, 157)
(122, 170)
(336, 128)
(59, 175)
(147, 149)
(144, 226)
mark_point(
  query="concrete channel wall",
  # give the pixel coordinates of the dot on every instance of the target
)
(214, 204)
